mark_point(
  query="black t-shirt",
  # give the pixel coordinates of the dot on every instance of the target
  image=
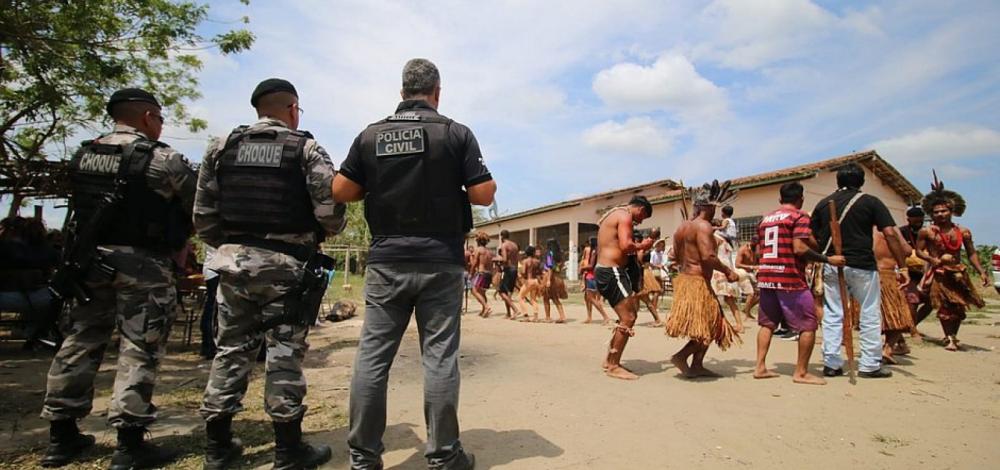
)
(856, 228)
(396, 249)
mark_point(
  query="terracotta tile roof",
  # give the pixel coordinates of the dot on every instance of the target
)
(870, 159)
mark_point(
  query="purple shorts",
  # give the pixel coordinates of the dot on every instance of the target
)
(795, 307)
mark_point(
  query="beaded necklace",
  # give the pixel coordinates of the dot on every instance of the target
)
(950, 244)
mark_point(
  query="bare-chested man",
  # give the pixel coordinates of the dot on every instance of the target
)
(746, 259)
(940, 244)
(896, 318)
(615, 244)
(591, 298)
(508, 255)
(695, 312)
(482, 269)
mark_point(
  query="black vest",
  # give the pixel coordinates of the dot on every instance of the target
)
(143, 219)
(262, 188)
(413, 178)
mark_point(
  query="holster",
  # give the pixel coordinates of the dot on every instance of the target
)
(302, 302)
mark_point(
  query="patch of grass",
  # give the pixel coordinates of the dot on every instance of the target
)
(336, 291)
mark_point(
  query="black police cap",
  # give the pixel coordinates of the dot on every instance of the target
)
(131, 94)
(271, 85)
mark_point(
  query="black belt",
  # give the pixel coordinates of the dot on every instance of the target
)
(295, 250)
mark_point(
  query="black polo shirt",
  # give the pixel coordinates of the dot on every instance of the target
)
(396, 249)
(856, 229)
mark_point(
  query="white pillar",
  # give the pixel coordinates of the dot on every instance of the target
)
(533, 237)
(573, 264)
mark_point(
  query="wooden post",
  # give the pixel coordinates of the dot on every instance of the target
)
(347, 268)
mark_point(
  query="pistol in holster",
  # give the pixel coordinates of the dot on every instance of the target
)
(302, 302)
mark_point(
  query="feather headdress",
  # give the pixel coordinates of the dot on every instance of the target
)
(713, 194)
(939, 195)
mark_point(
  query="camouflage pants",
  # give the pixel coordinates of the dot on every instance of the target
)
(244, 301)
(141, 301)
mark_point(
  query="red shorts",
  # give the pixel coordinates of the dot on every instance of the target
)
(482, 280)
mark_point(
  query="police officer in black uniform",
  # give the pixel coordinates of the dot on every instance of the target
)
(410, 169)
(131, 197)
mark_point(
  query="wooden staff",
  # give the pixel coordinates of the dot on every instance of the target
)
(684, 201)
(844, 300)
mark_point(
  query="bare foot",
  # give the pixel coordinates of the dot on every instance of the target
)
(619, 372)
(680, 363)
(808, 379)
(587, 321)
(606, 322)
(701, 372)
(887, 355)
(764, 374)
(657, 324)
(952, 346)
(561, 320)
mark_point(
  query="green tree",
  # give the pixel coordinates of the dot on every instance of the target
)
(356, 233)
(985, 257)
(60, 60)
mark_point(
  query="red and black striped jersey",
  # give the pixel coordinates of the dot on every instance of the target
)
(779, 268)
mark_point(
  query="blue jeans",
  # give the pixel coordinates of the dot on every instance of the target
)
(864, 286)
(393, 293)
(37, 307)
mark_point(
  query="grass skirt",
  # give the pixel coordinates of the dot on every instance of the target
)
(553, 285)
(952, 292)
(895, 311)
(696, 314)
(650, 283)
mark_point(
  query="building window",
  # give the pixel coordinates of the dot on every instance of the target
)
(747, 227)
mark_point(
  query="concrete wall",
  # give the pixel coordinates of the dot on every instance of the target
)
(667, 216)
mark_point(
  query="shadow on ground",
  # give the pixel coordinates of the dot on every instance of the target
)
(492, 448)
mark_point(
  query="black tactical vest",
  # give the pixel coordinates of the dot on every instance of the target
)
(262, 188)
(413, 178)
(143, 218)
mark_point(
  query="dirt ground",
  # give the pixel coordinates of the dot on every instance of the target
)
(534, 397)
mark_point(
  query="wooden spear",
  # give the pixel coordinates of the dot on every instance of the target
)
(844, 299)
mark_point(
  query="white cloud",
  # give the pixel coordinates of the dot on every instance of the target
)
(955, 172)
(939, 145)
(671, 84)
(638, 135)
(746, 34)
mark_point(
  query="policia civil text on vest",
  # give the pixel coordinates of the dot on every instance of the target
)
(412, 190)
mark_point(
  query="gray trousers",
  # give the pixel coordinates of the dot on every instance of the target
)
(392, 293)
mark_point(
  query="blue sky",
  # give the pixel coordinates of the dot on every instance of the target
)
(574, 97)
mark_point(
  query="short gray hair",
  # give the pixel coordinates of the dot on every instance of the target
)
(420, 77)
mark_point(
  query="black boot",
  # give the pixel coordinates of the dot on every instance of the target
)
(65, 443)
(222, 449)
(133, 452)
(290, 453)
